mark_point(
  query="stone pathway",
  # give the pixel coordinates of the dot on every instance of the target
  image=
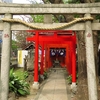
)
(55, 87)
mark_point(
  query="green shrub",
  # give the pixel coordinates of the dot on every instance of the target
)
(45, 75)
(17, 85)
(69, 78)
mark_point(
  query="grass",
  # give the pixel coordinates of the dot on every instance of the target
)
(19, 73)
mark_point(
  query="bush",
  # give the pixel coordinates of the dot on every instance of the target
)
(17, 85)
(45, 75)
(69, 78)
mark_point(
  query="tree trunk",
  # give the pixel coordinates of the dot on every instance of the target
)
(96, 43)
(82, 70)
(82, 93)
(97, 63)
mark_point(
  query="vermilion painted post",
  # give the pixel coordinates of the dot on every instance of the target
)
(36, 58)
(45, 57)
(42, 59)
(70, 58)
(66, 57)
(73, 63)
(48, 57)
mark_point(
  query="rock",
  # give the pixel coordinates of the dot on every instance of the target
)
(30, 79)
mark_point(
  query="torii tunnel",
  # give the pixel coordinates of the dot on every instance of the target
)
(58, 45)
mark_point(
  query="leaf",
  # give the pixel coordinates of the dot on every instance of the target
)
(11, 74)
(22, 92)
(18, 85)
(27, 92)
(12, 88)
(12, 82)
(25, 74)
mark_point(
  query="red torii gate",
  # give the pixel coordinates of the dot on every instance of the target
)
(69, 39)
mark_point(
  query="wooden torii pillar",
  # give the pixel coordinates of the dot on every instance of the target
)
(73, 57)
(42, 61)
(36, 84)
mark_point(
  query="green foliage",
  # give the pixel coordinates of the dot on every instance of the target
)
(45, 75)
(17, 85)
(55, 19)
(14, 45)
(22, 75)
(97, 1)
(76, 16)
(40, 18)
(69, 78)
(37, 18)
(71, 1)
(19, 73)
(25, 74)
(76, 1)
(97, 17)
